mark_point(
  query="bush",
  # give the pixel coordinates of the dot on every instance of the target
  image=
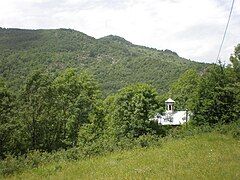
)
(190, 130)
(232, 129)
(148, 140)
(11, 165)
(34, 159)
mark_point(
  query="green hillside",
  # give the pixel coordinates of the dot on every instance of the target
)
(114, 61)
(206, 156)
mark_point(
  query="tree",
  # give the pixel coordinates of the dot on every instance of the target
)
(184, 90)
(92, 137)
(130, 110)
(54, 108)
(76, 98)
(37, 99)
(11, 133)
(218, 97)
(235, 60)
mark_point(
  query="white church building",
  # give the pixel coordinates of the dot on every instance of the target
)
(171, 117)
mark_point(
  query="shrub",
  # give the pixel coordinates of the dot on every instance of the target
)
(190, 130)
(35, 158)
(11, 165)
(148, 140)
(232, 129)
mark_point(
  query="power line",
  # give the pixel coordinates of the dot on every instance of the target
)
(229, 17)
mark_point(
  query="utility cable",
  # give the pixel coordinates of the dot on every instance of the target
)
(224, 35)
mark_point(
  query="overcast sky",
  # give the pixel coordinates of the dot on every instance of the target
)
(192, 28)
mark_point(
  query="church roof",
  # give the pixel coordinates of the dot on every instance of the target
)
(169, 101)
(177, 118)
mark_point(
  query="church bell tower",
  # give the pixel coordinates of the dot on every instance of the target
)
(169, 105)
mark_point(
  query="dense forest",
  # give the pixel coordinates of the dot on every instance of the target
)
(112, 60)
(58, 108)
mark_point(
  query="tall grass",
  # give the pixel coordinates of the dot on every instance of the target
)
(59, 160)
(205, 156)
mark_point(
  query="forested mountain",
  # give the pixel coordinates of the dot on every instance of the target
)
(58, 111)
(114, 61)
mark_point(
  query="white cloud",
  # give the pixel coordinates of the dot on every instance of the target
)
(192, 28)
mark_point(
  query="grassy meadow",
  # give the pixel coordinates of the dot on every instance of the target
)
(205, 156)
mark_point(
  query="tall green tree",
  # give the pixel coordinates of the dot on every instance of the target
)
(36, 99)
(54, 108)
(130, 110)
(11, 128)
(92, 136)
(184, 90)
(6, 107)
(218, 96)
(76, 98)
(235, 60)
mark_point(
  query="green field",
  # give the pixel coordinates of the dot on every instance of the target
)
(207, 156)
